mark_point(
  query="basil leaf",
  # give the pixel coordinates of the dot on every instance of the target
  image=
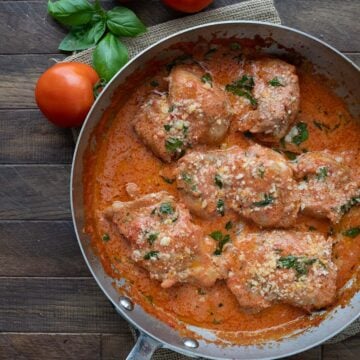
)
(268, 199)
(109, 56)
(71, 12)
(302, 135)
(122, 21)
(352, 232)
(83, 37)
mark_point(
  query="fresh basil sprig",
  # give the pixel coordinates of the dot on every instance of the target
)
(90, 25)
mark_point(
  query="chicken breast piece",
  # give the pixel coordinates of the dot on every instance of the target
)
(257, 183)
(327, 185)
(152, 124)
(196, 111)
(271, 87)
(282, 266)
(196, 98)
(264, 189)
(164, 241)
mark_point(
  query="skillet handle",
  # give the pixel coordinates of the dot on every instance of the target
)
(144, 348)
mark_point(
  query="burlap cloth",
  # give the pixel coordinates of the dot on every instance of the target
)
(260, 10)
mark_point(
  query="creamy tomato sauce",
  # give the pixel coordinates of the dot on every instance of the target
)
(117, 156)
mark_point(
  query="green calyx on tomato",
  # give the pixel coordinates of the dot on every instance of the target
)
(91, 26)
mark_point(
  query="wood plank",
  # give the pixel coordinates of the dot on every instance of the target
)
(40, 34)
(321, 19)
(71, 305)
(116, 346)
(34, 192)
(50, 346)
(348, 349)
(51, 249)
(19, 74)
(27, 137)
(312, 354)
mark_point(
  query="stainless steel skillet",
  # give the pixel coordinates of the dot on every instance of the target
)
(154, 333)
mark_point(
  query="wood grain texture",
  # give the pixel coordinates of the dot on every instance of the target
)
(34, 192)
(40, 249)
(116, 346)
(70, 346)
(331, 21)
(74, 305)
(19, 74)
(40, 34)
(27, 137)
(348, 349)
(50, 346)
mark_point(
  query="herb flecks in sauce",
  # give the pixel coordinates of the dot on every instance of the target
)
(352, 232)
(173, 144)
(151, 255)
(275, 82)
(243, 87)
(220, 207)
(105, 237)
(268, 199)
(300, 264)
(298, 134)
(221, 241)
(322, 173)
(207, 79)
(166, 208)
(218, 181)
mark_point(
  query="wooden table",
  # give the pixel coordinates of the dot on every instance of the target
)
(50, 307)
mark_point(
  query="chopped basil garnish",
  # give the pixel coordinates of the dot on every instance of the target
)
(171, 108)
(352, 232)
(235, 46)
(106, 237)
(243, 87)
(186, 177)
(221, 240)
(152, 237)
(216, 235)
(218, 181)
(322, 173)
(167, 127)
(228, 225)
(352, 202)
(261, 171)
(166, 208)
(151, 255)
(290, 155)
(207, 79)
(312, 228)
(220, 207)
(167, 180)
(302, 135)
(268, 199)
(275, 82)
(154, 83)
(300, 264)
(173, 144)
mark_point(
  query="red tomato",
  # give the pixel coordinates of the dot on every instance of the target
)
(64, 93)
(188, 6)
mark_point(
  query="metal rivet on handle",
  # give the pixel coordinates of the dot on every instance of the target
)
(126, 303)
(191, 343)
